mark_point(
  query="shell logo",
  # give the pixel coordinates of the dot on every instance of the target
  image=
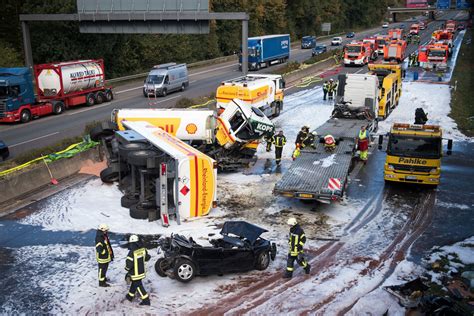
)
(191, 128)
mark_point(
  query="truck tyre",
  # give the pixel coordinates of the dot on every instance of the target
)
(184, 270)
(58, 107)
(111, 174)
(140, 157)
(99, 97)
(125, 149)
(161, 266)
(25, 116)
(128, 201)
(99, 132)
(164, 93)
(90, 99)
(109, 96)
(137, 212)
(257, 67)
(263, 260)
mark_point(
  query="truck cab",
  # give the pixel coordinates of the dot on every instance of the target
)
(414, 154)
(263, 91)
(16, 93)
(395, 51)
(358, 53)
(264, 51)
(390, 86)
(437, 55)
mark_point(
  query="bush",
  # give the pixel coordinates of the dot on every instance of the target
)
(323, 56)
(289, 67)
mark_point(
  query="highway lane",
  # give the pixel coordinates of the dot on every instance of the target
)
(203, 81)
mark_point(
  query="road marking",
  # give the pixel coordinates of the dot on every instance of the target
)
(192, 81)
(126, 90)
(164, 100)
(363, 68)
(33, 139)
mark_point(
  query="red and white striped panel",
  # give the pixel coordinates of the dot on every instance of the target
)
(334, 184)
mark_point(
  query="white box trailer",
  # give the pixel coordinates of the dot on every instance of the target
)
(195, 174)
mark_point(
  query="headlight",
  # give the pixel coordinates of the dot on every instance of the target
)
(434, 170)
(390, 167)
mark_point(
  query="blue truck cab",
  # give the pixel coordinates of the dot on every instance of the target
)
(264, 51)
(16, 90)
(308, 42)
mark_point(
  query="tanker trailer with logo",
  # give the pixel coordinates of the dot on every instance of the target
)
(56, 87)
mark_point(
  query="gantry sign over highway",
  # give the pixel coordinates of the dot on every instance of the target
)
(141, 21)
(139, 16)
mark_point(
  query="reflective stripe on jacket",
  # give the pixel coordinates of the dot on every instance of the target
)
(296, 240)
(135, 262)
(103, 249)
(279, 141)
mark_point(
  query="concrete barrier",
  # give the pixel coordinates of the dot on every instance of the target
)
(311, 70)
(37, 176)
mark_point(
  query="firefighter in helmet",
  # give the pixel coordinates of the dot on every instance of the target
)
(279, 140)
(329, 143)
(135, 266)
(296, 242)
(103, 253)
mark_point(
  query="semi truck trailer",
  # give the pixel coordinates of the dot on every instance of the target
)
(321, 174)
(264, 51)
(55, 88)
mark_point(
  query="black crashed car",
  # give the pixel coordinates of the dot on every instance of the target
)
(4, 152)
(239, 249)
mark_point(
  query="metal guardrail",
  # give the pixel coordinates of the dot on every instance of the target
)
(191, 65)
(208, 62)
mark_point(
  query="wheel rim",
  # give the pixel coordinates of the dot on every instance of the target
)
(264, 259)
(185, 271)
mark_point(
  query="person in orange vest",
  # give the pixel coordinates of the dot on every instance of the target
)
(103, 253)
(329, 143)
(363, 143)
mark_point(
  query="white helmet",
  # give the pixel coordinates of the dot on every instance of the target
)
(104, 227)
(331, 79)
(133, 238)
(292, 221)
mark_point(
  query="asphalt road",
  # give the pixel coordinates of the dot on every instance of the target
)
(203, 81)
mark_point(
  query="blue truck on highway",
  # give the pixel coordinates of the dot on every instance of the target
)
(267, 50)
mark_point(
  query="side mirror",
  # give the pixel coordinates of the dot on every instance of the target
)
(380, 142)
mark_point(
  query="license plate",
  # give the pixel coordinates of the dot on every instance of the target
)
(410, 177)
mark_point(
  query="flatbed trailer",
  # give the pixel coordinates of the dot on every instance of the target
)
(321, 175)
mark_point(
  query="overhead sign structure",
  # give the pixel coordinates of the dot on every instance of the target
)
(462, 4)
(417, 3)
(443, 4)
(119, 10)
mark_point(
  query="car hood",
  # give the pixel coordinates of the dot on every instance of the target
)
(243, 229)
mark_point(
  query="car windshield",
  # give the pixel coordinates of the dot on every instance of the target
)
(320, 47)
(252, 51)
(418, 147)
(3, 92)
(336, 39)
(353, 49)
(155, 79)
(381, 42)
(437, 53)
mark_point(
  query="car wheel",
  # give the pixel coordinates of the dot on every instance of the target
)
(184, 270)
(25, 116)
(137, 212)
(263, 260)
(90, 99)
(164, 93)
(99, 132)
(109, 96)
(140, 157)
(128, 201)
(161, 266)
(183, 87)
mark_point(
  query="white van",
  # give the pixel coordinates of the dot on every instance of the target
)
(166, 78)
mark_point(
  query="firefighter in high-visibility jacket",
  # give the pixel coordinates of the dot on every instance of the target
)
(363, 144)
(279, 140)
(103, 253)
(296, 242)
(135, 266)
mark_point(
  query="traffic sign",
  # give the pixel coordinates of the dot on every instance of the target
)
(443, 4)
(462, 4)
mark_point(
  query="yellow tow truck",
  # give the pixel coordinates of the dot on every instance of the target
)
(390, 86)
(414, 154)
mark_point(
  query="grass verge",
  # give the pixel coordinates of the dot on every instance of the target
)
(462, 94)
